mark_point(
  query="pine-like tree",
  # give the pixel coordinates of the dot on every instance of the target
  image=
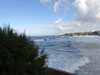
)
(19, 55)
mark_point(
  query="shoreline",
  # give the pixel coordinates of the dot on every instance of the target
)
(53, 71)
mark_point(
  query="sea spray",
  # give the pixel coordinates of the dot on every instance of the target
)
(62, 54)
(68, 65)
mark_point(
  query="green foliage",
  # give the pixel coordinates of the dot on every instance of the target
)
(19, 55)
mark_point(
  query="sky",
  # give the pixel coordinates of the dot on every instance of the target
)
(50, 17)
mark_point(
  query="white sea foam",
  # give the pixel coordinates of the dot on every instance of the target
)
(62, 36)
(69, 65)
(70, 54)
(89, 47)
(81, 62)
(41, 40)
(76, 65)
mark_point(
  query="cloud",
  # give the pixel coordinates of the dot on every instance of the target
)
(56, 6)
(62, 27)
(87, 15)
(59, 4)
(63, 4)
(58, 21)
(77, 26)
(45, 1)
(88, 10)
(67, 25)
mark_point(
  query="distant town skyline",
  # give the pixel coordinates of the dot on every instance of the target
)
(50, 17)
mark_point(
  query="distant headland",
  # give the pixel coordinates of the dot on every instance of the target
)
(97, 33)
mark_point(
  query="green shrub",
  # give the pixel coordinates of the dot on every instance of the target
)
(19, 55)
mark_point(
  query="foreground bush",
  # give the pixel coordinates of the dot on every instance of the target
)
(19, 55)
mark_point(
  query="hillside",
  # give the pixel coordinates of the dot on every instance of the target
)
(83, 33)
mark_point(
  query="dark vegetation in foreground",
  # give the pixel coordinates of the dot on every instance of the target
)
(19, 55)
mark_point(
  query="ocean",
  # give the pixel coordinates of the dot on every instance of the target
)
(78, 54)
